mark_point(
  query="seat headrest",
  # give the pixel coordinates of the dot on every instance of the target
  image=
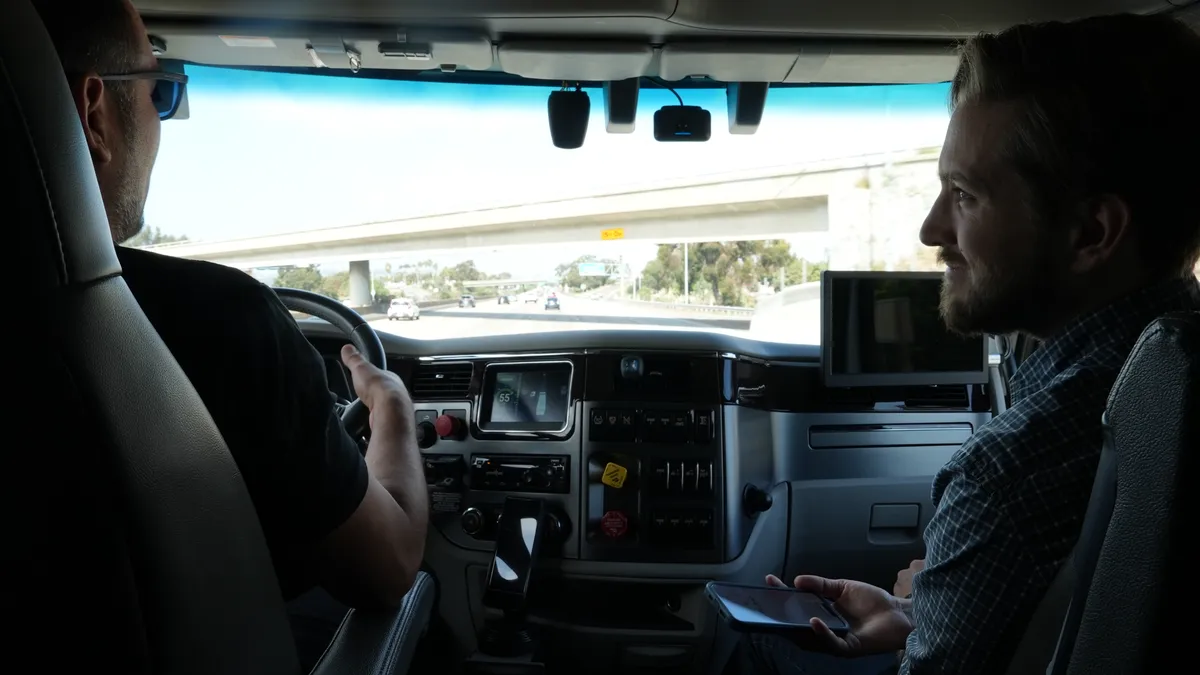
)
(54, 215)
(1168, 349)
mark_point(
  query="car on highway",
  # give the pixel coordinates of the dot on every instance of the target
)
(466, 301)
(403, 309)
(503, 300)
(552, 302)
(530, 298)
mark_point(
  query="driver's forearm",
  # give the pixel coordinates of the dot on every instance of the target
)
(394, 460)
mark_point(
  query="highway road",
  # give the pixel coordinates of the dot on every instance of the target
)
(492, 318)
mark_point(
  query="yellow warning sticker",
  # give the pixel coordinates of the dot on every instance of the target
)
(613, 234)
(614, 475)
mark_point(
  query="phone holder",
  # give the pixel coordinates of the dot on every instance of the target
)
(520, 530)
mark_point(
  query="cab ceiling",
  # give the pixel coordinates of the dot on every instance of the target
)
(792, 41)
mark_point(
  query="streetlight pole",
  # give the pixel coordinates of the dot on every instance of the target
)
(686, 272)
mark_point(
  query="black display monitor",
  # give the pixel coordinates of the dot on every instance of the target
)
(883, 329)
(533, 396)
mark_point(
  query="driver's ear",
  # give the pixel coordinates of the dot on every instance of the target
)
(98, 116)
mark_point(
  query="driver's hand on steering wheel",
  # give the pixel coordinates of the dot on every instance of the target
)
(382, 391)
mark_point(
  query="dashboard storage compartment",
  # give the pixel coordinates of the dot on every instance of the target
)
(605, 604)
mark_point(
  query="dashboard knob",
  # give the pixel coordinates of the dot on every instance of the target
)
(427, 434)
(557, 527)
(472, 521)
(755, 500)
(450, 427)
(537, 479)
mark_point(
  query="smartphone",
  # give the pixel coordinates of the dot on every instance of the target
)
(770, 609)
(518, 540)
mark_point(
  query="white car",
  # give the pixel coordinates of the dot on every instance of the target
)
(403, 308)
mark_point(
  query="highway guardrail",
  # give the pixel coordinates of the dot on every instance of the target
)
(687, 307)
(436, 304)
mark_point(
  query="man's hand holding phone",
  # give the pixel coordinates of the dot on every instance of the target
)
(878, 623)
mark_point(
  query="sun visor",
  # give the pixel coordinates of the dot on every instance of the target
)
(237, 50)
(727, 63)
(940, 19)
(575, 61)
(423, 50)
(402, 52)
(874, 64)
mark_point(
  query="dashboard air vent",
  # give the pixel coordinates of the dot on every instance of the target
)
(949, 396)
(442, 381)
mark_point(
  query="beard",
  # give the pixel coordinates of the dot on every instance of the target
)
(1008, 291)
(127, 203)
(126, 213)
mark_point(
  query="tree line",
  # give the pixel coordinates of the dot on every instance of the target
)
(425, 279)
(729, 273)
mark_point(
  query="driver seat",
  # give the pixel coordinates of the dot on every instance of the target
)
(131, 542)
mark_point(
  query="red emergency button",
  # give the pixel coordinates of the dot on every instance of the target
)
(449, 426)
(614, 524)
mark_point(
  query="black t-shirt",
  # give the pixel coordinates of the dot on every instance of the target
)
(265, 387)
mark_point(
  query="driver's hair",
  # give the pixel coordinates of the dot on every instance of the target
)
(1105, 105)
(93, 36)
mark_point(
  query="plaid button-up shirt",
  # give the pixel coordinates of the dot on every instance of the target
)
(1010, 503)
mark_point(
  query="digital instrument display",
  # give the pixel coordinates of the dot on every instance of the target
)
(885, 329)
(532, 396)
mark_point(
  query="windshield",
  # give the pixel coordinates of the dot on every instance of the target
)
(440, 192)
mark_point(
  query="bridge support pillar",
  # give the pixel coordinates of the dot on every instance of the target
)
(360, 283)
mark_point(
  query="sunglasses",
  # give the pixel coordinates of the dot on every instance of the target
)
(167, 93)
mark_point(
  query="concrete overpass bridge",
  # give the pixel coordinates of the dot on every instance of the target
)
(837, 196)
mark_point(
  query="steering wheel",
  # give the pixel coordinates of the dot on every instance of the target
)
(355, 415)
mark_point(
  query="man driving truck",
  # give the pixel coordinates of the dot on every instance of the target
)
(355, 527)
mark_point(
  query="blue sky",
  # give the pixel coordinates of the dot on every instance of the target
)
(267, 153)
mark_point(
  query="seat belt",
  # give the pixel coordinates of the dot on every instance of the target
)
(1087, 549)
(1068, 592)
(1035, 653)
(1058, 644)
(999, 374)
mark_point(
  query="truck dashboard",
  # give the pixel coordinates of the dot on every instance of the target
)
(664, 460)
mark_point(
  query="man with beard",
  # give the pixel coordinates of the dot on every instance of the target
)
(354, 526)
(1067, 213)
